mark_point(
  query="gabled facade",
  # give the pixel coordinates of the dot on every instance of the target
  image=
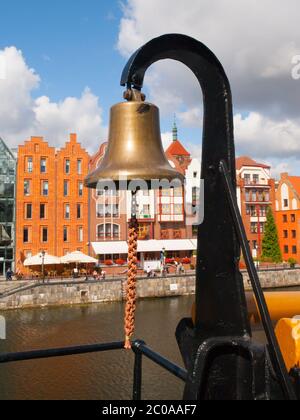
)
(255, 193)
(288, 216)
(52, 203)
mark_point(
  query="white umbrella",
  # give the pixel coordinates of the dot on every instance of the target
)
(78, 257)
(38, 260)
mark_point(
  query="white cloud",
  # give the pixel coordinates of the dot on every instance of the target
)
(22, 116)
(262, 136)
(166, 139)
(255, 41)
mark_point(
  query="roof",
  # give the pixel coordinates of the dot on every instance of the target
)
(295, 181)
(177, 149)
(247, 161)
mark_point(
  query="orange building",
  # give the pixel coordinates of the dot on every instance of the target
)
(52, 203)
(108, 216)
(255, 193)
(288, 216)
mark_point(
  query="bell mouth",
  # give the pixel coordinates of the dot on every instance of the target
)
(127, 181)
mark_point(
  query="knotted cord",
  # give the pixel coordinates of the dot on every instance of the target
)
(131, 276)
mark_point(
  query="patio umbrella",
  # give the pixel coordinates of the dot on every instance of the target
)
(78, 257)
(38, 260)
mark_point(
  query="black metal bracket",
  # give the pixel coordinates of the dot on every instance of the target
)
(221, 310)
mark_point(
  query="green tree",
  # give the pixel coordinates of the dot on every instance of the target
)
(270, 246)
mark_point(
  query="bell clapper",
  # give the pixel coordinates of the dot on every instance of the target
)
(132, 273)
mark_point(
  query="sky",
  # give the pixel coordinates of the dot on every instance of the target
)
(61, 62)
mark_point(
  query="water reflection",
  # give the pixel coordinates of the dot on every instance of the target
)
(96, 376)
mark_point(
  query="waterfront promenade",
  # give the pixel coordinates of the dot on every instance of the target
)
(59, 292)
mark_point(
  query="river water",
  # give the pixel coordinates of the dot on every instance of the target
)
(103, 376)
(97, 376)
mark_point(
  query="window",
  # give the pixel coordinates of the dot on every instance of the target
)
(67, 166)
(247, 179)
(294, 234)
(195, 194)
(27, 184)
(79, 166)
(43, 165)
(26, 235)
(285, 203)
(146, 210)
(42, 211)
(100, 210)
(286, 249)
(284, 218)
(178, 209)
(253, 194)
(101, 231)
(166, 209)
(29, 165)
(255, 179)
(67, 211)
(293, 218)
(79, 211)
(294, 249)
(115, 210)
(80, 189)
(254, 245)
(263, 211)
(266, 196)
(108, 231)
(116, 231)
(165, 192)
(178, 192)
(285, 234)
(45, 188)
(253, 227)
(66, 234)
(195, 174)
(80, 234)
(28, 211)
(44, 234)
(66, 188)
(248, 195)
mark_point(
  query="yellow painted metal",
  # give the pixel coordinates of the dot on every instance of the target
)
(283, 304)
(288, 335)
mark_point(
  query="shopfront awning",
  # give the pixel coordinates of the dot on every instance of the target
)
(121, 247)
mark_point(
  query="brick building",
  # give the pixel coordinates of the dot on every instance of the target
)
(288, 216)
(52, 204)
(161, 214)
(255, 193)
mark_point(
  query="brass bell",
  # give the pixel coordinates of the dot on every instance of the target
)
(134, 150)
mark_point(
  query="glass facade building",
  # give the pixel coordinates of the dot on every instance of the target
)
(7, 208)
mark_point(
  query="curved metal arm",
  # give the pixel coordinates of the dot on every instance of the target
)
(221, 309)
(220, 299)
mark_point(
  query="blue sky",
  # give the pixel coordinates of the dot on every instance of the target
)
(72, 45)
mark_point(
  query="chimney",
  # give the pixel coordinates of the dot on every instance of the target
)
(73, 138)
(284, 175)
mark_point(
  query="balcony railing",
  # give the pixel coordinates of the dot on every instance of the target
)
(139, 349)
(258, 183)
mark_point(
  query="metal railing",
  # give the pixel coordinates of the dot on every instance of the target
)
(139, 349)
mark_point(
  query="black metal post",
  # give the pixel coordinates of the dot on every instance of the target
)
(234, 366)
(138, 374)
